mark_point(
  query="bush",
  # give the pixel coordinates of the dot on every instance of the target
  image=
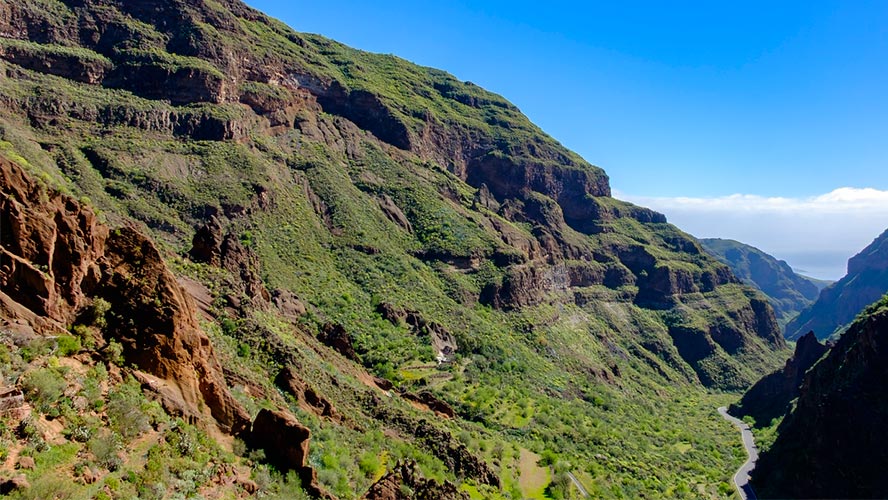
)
(113, 353)
(243, 350)
(105, 447)
(43, 387)
(68, 345)
(49, 486)
(94, 315)
(126, 410)
(238, 447)
(229, 326)
(369, 464)
(85, 335)
(35, 349)
(559, 487)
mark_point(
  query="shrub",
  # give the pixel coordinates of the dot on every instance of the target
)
(43, 387)
(68, 345)
(85, 335)
(105, 447)
(126, 410)
(35, 349)
(81, 433)
(369, 464)
(243, 350)
(559, 487)
(238, 447)
(229, 326)
(94, 314)
(113, 353)
(49, 486)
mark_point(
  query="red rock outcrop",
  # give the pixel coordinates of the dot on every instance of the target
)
(309, 399)
(51, 248)
(57, 257)
(285, 442)
(155, 321)
(335, 337)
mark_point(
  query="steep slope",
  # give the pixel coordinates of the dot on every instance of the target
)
(399, 259)
(839, 303)
(787, 291)
(59, 259)
(58, 263)
(772, 396)
(833, 443)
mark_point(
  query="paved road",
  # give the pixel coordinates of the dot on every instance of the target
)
(741, 478)
(579, 486)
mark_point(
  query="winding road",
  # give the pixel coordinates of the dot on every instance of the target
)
(741, 478)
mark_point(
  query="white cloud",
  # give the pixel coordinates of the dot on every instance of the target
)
(815, 234)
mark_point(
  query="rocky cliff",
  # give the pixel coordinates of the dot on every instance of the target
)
(772, 396)
(59, 259)
(392, 259)
(787, 291)
(839, 303)
(832, 445)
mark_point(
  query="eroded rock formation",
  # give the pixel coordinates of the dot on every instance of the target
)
(58, 257)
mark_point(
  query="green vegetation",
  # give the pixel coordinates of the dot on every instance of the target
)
(32, 49)
(787, 291)
(584, 377)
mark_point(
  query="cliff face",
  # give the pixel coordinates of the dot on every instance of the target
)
(414, 255)
(833, 444)
(504, 194)
(772, 396)
(787, 291)
(58, 259)
(839, 303)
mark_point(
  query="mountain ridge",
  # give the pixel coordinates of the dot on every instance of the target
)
(788, 291)
(831, 444)
(838, 304)
(399, 260)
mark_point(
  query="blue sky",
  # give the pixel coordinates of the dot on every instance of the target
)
(675, 100)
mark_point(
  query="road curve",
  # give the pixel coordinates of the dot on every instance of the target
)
(741, 478)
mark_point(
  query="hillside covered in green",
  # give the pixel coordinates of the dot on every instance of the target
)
(787, 291)
(398, 260)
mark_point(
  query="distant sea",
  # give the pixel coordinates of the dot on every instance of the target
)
(821, 265)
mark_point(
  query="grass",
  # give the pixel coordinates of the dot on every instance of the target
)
(36, 49)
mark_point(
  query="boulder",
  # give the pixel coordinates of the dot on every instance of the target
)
(290, 381)
(285, 442)
(26, 463)
(336, 337)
